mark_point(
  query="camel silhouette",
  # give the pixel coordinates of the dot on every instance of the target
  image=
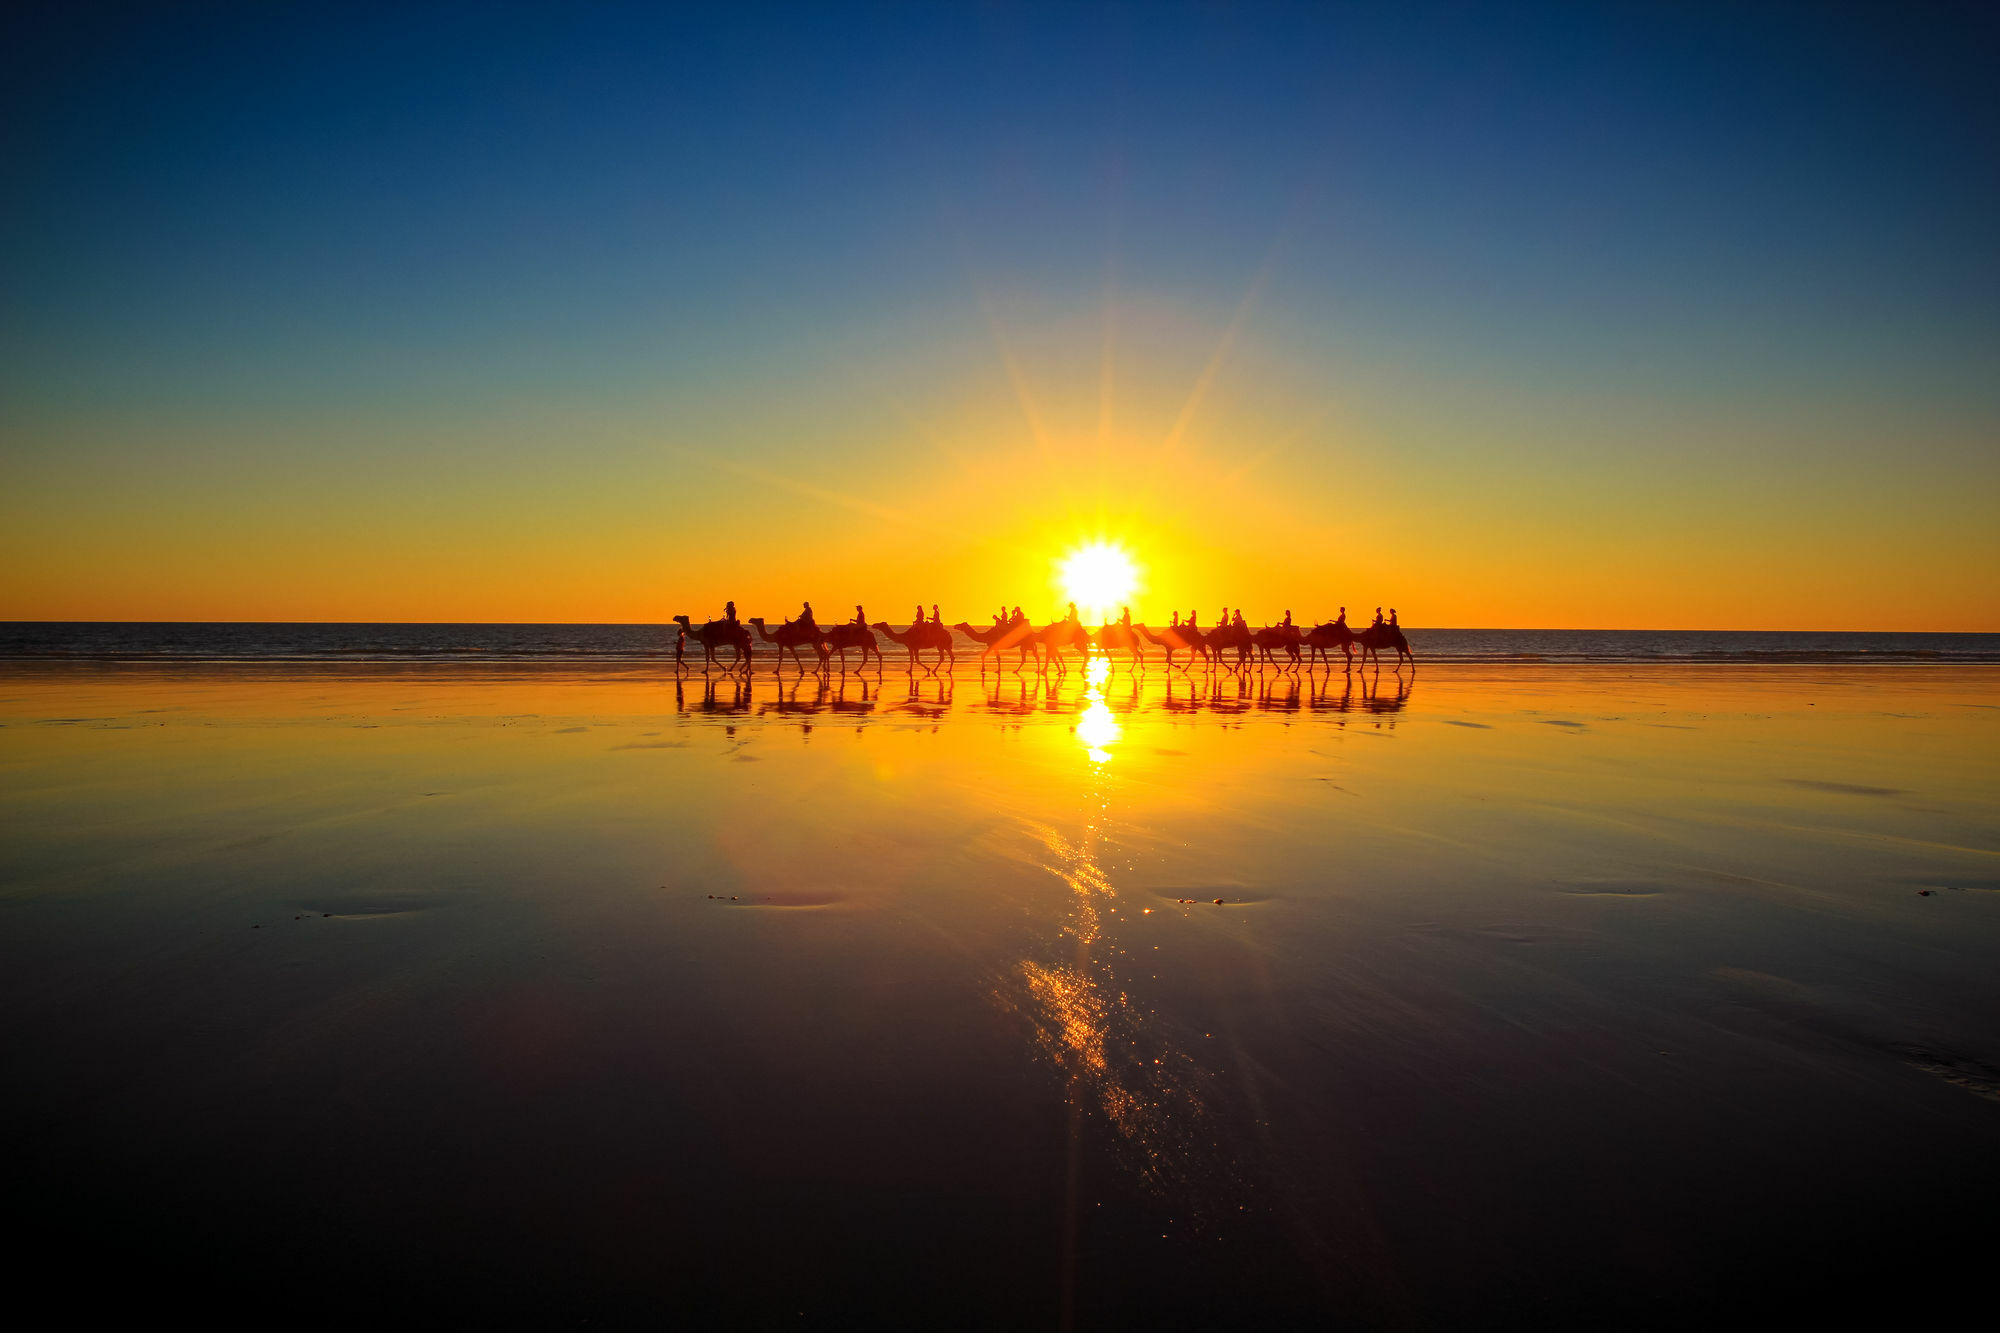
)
(922, 638)
(1052, 639)
(1177, 638)
(1285, 637)
(1116, 636)
(839, 638)
(1322, 640)
(1377, 637)
(716, 634)
(1223, 638)
(997, 639)
(792, 636)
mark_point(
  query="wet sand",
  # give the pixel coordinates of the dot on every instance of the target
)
(1533, 994)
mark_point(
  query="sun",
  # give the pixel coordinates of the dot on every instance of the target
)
(1099, 577)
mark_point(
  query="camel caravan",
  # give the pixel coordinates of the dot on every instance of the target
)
(1231, 643)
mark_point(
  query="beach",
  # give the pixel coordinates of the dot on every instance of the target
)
(1471, 994)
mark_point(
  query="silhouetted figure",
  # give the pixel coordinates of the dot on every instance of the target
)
(920, 616)
(1341, 619)
(936, 619)
(1239, 622)
(1194, 620)
(729, 612)
(1392, 619)
(859, 619)
(1287, 621)
(1125, 616)
(1378, 619)
(1175, 622)
(806, 617)
(1072, 617)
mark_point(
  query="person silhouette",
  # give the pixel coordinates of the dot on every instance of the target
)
(1000, 618)
(1287, 622)
(1125, 616)
(1072, 613)
(1239, 622)
(1193, 618)
(920, 616)
(1175, 623)
(936, 619)
(806, 615)
(1017, 618)
(729, 612)
(1392, 619)
(1341, 619)
(859, 619)
(1378, 618)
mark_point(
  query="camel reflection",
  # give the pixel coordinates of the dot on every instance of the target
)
(729, 693)
(1099, 703)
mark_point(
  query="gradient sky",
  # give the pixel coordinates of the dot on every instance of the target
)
(1642, 316)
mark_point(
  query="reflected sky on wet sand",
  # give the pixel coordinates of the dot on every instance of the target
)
(1476, 994)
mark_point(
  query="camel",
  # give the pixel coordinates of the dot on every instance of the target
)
(1377, 637)
(1277, 636)
(1117, 635)
(1176, 637)
(1322, 640)
(839, 638)
(791, 636)
(715, 634)
(998, 640)
(920, 638)
(1063, 634)
(1224, 637)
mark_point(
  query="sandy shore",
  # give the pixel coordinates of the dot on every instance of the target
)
(1533, 993)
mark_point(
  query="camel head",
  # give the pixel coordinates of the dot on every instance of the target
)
(683, 622)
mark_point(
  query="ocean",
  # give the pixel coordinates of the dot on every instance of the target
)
(196, 642)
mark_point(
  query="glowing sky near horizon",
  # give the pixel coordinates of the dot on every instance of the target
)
(1512, 316)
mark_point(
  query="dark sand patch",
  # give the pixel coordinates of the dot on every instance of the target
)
(1615, 888)
(1811, 1010)
(787, 902)
(370, 906)
(1845, 788)
(1564, 722)
(571, 731)
(652, 745)
(1207, 897)
(744, 759)
(1477, 726)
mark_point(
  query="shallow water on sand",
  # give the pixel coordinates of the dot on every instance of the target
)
(1532, 993)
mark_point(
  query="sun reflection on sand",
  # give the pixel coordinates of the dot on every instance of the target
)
(1097, 727)
(1116, 1060)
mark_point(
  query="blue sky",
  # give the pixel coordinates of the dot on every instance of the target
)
(1771, 223)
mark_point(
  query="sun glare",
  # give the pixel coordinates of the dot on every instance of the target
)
(1099, 578)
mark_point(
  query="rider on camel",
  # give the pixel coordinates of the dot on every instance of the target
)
(1378, 619)
(859, 619)
(1392, 619)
